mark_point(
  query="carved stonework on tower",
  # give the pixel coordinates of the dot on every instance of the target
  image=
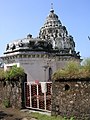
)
(56, 33)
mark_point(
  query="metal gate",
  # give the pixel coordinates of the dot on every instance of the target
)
(38, 95)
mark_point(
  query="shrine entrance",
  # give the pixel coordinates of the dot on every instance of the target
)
(38, 95)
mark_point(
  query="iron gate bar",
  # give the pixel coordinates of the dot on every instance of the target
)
(37, 100)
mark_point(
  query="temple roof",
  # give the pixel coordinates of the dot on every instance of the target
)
(53, 36)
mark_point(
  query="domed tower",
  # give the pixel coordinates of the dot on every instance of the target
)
(54, 32)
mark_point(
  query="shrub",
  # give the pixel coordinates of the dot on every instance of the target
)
(14, 73)
(2, 74)
(70, 71)
(73, 70)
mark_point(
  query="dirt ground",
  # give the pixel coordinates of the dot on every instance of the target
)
(14, 114)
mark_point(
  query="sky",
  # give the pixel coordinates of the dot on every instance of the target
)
(18, 18)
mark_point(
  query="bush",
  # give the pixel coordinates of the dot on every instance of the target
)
(73, 70)
(14, 73)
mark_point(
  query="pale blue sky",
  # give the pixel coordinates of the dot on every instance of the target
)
(20, 17)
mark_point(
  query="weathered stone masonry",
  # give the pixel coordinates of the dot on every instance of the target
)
(71, 98)
(13, 91)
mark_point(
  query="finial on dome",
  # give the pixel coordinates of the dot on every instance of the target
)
(51, 8)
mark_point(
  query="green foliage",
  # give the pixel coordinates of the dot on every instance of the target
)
(39, 116)
(72, 118)
(6, 103)
(86, 65)
(73, 70)
(70, 71)
(2, 74)
(13, 73)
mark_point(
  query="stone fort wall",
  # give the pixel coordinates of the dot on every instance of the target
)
(71, 98)
(12, 93)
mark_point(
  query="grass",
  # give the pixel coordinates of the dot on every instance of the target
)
(39, 116)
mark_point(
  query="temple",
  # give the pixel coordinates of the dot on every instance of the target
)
(40, 57)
